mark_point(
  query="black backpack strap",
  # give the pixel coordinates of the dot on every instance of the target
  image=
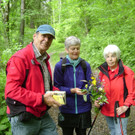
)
(125, 87)
(24, 83)
(84, 66)
(127, 113)
(63, 68)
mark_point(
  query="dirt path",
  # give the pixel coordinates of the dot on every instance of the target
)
(100, 126)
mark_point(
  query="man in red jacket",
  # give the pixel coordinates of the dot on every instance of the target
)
(29, 81)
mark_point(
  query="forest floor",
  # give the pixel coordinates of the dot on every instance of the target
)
(100, 127)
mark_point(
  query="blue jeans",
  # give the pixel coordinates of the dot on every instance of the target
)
(44, 126)
(114, 127)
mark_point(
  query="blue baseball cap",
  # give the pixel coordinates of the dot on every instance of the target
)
(46, 29)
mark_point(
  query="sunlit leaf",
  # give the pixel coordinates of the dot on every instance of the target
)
(85, 98)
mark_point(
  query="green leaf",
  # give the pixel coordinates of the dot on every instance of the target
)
(3, 127)
(5, 120)
(3, 110)
(83, 90)
(85, 98)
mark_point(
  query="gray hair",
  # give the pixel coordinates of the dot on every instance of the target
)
(114, 49)
(72, 40)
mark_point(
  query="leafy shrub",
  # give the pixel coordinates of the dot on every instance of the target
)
(4, 123)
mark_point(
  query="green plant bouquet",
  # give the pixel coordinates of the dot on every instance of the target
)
(95, 89)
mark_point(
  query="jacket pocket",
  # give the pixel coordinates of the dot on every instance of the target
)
(15, 107)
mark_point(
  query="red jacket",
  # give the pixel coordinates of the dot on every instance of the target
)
(134, 99)
(25, 86)
(115, 90)
(134, 93)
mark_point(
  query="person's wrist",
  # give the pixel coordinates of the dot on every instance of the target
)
(126, 106)
(72, 90)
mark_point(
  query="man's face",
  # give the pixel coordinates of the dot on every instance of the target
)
(42, 41)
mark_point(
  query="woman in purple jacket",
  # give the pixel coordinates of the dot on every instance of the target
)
(76, 114)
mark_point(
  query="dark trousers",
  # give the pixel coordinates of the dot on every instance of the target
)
(69, 131)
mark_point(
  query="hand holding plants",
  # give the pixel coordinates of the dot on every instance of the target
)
(96, 91)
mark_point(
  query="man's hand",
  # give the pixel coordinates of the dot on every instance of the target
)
(49, 100)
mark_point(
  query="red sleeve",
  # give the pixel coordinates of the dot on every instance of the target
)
(134, 92)
(16, 73)
(129, 78)
(55, 88)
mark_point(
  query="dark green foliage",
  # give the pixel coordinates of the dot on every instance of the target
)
(4, 123)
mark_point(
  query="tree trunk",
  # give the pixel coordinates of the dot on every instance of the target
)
(5, 13)
(22, 21)
(35, 5)
(59, 11)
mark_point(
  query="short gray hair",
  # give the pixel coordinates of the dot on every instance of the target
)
(72, 40)
(112, 49)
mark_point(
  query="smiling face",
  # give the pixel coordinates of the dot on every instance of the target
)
(42, 41)
(73, 51)
(111, 60)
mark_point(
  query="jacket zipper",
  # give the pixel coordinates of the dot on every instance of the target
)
(76, 109)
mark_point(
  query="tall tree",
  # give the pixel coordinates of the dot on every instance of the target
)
(33, 8)
(5, 9)
(60, 4)
(22, 21)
